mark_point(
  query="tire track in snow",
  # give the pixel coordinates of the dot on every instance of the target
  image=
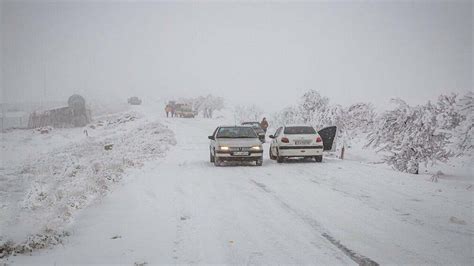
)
(405, 214)
(356, 257)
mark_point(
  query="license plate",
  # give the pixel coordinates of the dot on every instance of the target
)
(241, 153)
(302, 142)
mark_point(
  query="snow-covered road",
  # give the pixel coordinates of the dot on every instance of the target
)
(182, 209)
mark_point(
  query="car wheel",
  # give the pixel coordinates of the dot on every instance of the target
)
(211, 158)
(279, 158)
(259, 162)
(217, 161)
(270, 154)
(318, 158)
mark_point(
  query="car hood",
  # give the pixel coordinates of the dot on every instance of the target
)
(243, 142)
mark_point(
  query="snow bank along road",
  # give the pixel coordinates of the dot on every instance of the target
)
(182, 209)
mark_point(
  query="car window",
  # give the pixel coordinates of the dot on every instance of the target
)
(299, 130)
(253, 124)
(214, 133)
(277, 132)
(236, 132)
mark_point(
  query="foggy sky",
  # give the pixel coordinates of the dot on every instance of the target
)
(266, 53)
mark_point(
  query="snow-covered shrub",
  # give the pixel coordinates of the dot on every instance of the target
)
(410, 136)
(206, 105)
(244, 113)
(434, 178)
(313, 107)
(350, 121)
(448, 116)
(464, 132)
(360, 117)
(289, 115)
(53, 186)
(317, 111)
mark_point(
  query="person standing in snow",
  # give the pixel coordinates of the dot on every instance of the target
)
(264, 124)
(168, 110)
(173, 111)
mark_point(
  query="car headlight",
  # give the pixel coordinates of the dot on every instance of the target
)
(223, 148)
(257, 148)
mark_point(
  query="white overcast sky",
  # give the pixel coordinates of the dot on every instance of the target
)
(265, 53)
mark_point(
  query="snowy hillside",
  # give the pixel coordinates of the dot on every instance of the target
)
(47, 178)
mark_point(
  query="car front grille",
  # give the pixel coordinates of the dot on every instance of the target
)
(239, 148)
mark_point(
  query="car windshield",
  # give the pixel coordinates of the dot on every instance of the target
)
(253, 124)
(236, 132)
(299, 130)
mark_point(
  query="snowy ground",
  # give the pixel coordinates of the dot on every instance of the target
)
(47, 178)
(182, 209)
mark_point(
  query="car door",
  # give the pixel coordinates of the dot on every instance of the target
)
(274, 144)
(328, 134)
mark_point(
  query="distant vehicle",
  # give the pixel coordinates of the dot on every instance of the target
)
(134, 101)
(300, 141)
(184, 110)
(258, 129)
(235, 143)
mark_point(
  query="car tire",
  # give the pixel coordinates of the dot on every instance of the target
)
(211, 158)
(318, 158)
(279, 158)
(270, 154)
(259, 162)
(217, 162)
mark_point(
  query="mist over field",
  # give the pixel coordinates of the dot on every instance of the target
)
(215, 132)
(265, 53)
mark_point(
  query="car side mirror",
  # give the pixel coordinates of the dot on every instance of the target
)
(271, 136)
(211, 137)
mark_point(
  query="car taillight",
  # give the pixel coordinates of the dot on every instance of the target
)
(285, 140)
(318, 139)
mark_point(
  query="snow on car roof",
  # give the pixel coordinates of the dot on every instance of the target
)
(296, 125)
(235, 126)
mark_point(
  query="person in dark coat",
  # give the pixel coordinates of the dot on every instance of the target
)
(264, 124)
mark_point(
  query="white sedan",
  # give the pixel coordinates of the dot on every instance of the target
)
(235, 143)
(296, 141)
